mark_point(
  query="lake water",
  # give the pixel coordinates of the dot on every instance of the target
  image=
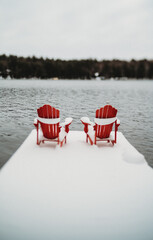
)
(19, 100)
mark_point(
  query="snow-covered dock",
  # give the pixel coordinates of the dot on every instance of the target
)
(78, 191)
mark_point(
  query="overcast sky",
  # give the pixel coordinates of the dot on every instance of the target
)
(76, 29)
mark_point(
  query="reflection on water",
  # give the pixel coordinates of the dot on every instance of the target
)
(21, 98)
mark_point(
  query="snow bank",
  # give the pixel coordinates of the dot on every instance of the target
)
(78, 191)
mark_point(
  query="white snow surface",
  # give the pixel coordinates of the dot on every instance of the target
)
(78, 191)
(49, 120)
(105, 121)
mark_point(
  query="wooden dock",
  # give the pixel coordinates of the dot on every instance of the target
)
(78, 191)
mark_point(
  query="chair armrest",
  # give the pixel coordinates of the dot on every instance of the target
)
(35, 122)
(118, 122)
(68, 121)
(86, 120)
(66, 124)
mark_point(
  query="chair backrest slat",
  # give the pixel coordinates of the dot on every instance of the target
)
(106, 112)
(49, 130)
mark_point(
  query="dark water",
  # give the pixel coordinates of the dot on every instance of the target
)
(19, 100)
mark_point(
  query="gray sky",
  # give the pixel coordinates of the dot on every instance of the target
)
(76, 29)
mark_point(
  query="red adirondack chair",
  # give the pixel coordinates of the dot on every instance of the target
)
(101, 129)
(48, 125)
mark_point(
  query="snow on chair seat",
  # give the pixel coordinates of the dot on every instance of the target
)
(101, 128)
(48, 122)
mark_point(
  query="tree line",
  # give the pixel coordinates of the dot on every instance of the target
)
(32, 67)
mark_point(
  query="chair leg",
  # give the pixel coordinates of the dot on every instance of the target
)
(95, 139)
(91, 142)
(38, 142)
(116, 129)
(115, 135)
(61, 143)
(87, 138)
(113, 142)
